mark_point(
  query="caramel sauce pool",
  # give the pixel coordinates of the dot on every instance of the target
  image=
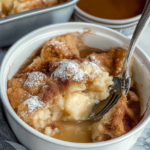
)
(112, 9)
(79, 132)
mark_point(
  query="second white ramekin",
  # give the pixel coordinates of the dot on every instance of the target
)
(124, 26)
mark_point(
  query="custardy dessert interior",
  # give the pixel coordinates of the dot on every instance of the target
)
(57, 90)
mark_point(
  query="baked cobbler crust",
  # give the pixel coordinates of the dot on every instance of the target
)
(1, 11)
(60, 86)
(112, 61)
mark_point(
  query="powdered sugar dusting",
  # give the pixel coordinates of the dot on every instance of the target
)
(23, 113)
(45, 86)
(57, 44)
(33, 103)
(94, 60)
(34, 79)
(69, 70)
(21, 80)
(90, 63)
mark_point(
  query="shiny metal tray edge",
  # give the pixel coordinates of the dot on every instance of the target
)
(14, 27)
(35, 12)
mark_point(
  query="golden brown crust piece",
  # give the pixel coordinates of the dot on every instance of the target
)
(1, 10)
(38, 64)
(111, 61)
(52, 89)
(6, 5)
(64, 46)
(34, 82)
(15, 83)
(1, 15)
(118, 121)
(17, 96)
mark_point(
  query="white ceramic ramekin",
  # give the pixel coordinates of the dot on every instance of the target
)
(125, 26)
(102, 38)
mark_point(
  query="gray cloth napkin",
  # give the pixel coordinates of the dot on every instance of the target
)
(8, 141)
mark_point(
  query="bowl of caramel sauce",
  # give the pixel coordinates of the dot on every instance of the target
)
(120, 15)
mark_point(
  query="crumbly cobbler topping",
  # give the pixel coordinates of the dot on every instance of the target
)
(60, 87)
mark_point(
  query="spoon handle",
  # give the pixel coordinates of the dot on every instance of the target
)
(136, 35)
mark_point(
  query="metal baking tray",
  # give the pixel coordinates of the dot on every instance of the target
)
(15, 26)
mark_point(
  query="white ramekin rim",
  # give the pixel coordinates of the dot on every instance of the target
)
(50, 139)
(107, 21)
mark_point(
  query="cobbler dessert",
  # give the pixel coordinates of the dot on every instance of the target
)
(10, 7)
(55, 91)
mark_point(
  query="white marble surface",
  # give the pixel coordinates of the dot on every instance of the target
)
(143, 142)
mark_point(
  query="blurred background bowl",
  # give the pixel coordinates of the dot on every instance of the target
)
(124, 26)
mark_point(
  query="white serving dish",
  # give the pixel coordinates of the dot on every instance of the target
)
(102, 38)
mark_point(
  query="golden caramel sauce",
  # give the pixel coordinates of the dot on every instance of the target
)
(112, 9)
(79, 132)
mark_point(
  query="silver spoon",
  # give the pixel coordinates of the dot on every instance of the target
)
(122, 81)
